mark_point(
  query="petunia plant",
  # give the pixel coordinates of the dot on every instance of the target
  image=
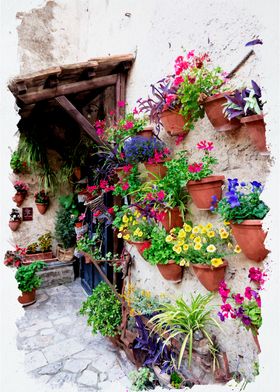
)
(201, 244)
(242, 201)
(198, 171)
(129, 182)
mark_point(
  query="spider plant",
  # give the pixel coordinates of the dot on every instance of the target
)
(175, 320)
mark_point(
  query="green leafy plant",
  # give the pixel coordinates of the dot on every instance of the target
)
(142, 379)
(160, 252)
(176, 380)
(27, 278)
(41, 197)
(198, 171)
(129, 184)
(32, 248)
(183, 320)
(17, 164)
(64, 228)
(103, 310)
(45, 242)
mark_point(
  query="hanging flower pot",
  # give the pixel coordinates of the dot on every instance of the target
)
(19, 198)
(250, 237)
(147, 132)
(203, 192)
(155, 170)
(14, 225)
(171, 271)
(27, 298)
(214, 109)
(210, 277)
(172, 219)
(173, 122)
(255, 126)
(140, 245)
(42, 207)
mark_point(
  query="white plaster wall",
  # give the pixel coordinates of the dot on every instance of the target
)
(155, 31)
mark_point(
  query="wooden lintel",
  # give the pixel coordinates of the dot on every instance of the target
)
(66, 89)
(120, 94)
(21, 88)
(80, 120)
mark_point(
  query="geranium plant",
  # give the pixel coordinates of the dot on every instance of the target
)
(242, 201)
(197, 171)
(15, 258)
(129, 183)
(140, 149)
(21, 187)
(42, 197)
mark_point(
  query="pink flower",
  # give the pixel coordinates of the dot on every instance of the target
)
(180, 65)
(125, 186)
(180, 138)
(111, 210)
(128, 125)
(149, 197)
(195, 168)
(121, 104)
(204, 145)
(127, 168)
(178, 80)
(112, 113)
(258, 300)
(161, 195)
(135, 111)
(96, 213)
(170, 98)
(82, 217)
(160, 216)
(92, 188)
(103, 184)
(224, 291)
(248, 293)
(122, 155)
(190, 54)
(256, 275)
(191, 79)
(238, 298)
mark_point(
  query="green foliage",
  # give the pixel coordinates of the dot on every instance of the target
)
(133, 181)
(142, 379)
(252, 310)
(32, 248)
(208, 161)
(69, 203)
(64, 228)
(17, 164)
(160, 252)
(176, 380)
(103, 310)
(175, 320)
(45, 242)
(27, 278)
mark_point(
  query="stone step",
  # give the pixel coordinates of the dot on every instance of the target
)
(57, 273)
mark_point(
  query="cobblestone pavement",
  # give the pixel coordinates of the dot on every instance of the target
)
(61, 351)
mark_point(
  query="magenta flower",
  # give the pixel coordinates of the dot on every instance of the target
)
(224, 291)
(135, 111)
(92, 188)
(256, 275)
(82, 217)
(204, 145)
(125, 186)
(195, 167)
(103, 184)
(121, 104)
(161, 195)
(248, 292)
(178, 80)
(128, 125)
(127, 168)
(238, 298)
(170, 98)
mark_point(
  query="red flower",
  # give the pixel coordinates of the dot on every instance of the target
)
(92, 188)
(204, 145)
(128, 125)
(97, 213)
(121, 104)
(195, 168)
(180, 138)
(191, 79)
(170, 98)
(103, 184)
(161, 195)
(125, 186)
(127, 168)
(111, 210)
(122, 155)
(178, 80)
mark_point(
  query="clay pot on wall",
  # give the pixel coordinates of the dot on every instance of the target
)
(172, 219)
(171, 271)
(255, 126)
(250, 237)
(14, 225)
(214, 109)
(173, 122)
(210, 277)
(147, 132)
(155, 170)
(19, 198)
(140, 245)
(27, 298)
(202, 191)
(42, 208)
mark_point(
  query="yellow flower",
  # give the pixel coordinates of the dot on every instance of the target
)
(216, 262)
(185, 247)
(172, 230)
(121, 228)
(211, 233)
(209, 226)
(125, 219)
(180, 243)
(136, 231)
(229, 244)
(187, 228)
(126, 237)
(134, 223)
(182, 262)
(135, 213)
(224, 235)
(237, 249)
(197, 246)
(144, 218)
(177, 249)
(119, 235)
(226, 223)
(140, 233)
(195, 230)
(182, 234)
(211, 248)
(197, 240)
(204, 230)
(192, 236)
(200, 226)
(169, 238)
(130, 219)
(222, 230)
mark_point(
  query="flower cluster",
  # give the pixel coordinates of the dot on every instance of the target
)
(200, 170)
(100, 127)
(135, 227)
(242, 201)
(129, 183)
(103, 187)
(140, 149)
(15, 215)
(42, 197)
(245, 307)
(15, 258)
(21, 187)
(201, 244)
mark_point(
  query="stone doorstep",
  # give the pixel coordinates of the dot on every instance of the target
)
(57, 273)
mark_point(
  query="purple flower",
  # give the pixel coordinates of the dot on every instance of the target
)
(222, 317)
(239, 312)
(246, 320)
(232, 184)
(243, 183)
(232, 199)
(256, 41)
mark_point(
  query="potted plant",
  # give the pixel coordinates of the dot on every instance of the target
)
(39, 250)
(15, 219)
(244, 209)
(28, 282)
(142, 379)
(17, 164)
(152, 152)
(42, 201)
(202, 186)
(21, 193)
(15, 258)
(65, 232)
(244, 307)
(129, 181)
(161, 254)
(204, 247)
(103, 310)
(247, 106)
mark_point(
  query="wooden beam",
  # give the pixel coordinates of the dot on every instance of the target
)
(80, 120)
(66, 89)
(120, 94)
(239, 65)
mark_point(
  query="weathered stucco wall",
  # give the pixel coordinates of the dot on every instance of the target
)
(68, 31)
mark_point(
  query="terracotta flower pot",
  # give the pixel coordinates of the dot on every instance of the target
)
(140, 245)
(147, 132)
(210, 277)
(202, 191)
(78, 224)
(172, 219)
(27, 298)
(14, 225)
(256, 129)
(19, 198)
(171, 271)
(42, 208)
(77, 173)
(155, 170)
(250, 237)
(214, 110)
(173, 122)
